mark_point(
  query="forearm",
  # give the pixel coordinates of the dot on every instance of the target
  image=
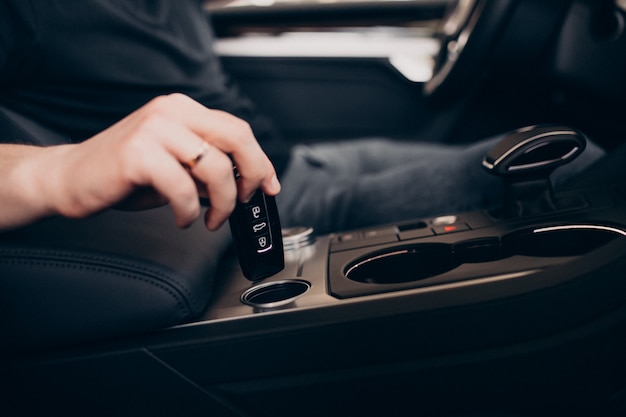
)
(22, 170)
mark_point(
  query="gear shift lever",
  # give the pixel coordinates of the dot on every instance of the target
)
(525, 158)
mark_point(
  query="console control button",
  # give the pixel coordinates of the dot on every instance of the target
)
(348, 237)
(444, 220)
(450, 228)
(368, 234)
(364, 238)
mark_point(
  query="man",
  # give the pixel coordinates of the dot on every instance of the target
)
(79, 66)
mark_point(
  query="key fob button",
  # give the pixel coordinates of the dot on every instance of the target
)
(256, 231)
(260, 227)
(263, 243)
(256, 212)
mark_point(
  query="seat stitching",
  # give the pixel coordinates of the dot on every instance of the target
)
(155, 274)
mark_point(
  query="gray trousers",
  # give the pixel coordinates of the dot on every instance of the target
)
(347, 185)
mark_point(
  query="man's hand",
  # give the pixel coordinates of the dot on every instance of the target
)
(172, 145)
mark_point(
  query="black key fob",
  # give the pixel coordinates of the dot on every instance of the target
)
(255, 227)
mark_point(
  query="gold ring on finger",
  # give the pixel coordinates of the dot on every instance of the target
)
(197, 157)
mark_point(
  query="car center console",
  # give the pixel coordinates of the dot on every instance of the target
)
(484, 302)
(421, 256)
(533, 230)
(494, 304)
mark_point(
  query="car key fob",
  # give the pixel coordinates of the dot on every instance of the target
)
(255, 227)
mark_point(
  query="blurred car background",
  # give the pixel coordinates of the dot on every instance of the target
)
(540, 340)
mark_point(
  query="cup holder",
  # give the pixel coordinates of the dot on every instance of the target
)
(480, 250)
(404, 264)
(555, 241)
(275, 294)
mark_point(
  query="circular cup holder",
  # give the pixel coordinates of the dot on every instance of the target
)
(403, 264)
(480, 250)
(555, 241)
(275, 294)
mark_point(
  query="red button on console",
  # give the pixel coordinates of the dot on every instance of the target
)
(450, 228)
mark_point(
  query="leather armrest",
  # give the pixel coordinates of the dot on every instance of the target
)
(64, 281)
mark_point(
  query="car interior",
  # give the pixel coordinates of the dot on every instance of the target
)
(517, 311)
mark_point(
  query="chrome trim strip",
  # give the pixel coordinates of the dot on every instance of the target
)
(540, 164)
(580, 226)
(245, 295)
(539, 136)
(373, 258)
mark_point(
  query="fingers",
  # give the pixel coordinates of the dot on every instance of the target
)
(253, 167)
(171, 181)
(215, 173)
(233, 137)
(204, 141)
(183, 168)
